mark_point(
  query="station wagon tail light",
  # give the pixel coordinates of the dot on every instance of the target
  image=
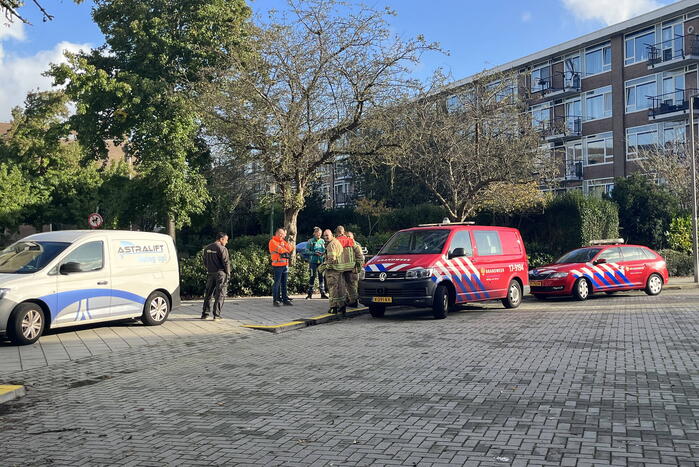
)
(558, 275)
(419, 273)
(3, 292)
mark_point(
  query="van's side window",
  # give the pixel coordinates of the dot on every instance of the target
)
(87, 257)
(487, 242)
(461, 239)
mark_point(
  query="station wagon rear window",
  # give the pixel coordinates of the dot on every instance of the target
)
(416, 242)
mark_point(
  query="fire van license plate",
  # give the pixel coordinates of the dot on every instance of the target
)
(382, 299)
(535, 283)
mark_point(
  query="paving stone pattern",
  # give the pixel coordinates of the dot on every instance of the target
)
(609, 381)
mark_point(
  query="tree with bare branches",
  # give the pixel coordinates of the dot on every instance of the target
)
(318, 69)
(672, 165)
(468, 146)
(10, 9)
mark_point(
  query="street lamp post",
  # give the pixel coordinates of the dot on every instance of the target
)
(695, 259)
(272, 191)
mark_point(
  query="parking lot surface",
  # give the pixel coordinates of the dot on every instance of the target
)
(614, 380)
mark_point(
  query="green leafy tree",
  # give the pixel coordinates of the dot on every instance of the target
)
(139, 89)
(679, 237)
(646, 210)
(15, 195)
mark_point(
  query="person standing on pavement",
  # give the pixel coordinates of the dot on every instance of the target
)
(338, 261)
(353, 276)
(280, 251)
(315, 250)
(218, 267)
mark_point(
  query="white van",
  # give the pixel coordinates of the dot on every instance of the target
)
(73, 277)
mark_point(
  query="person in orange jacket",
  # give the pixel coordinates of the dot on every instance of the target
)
(280, 251)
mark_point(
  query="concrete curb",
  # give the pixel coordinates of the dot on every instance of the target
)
(10, 392)
(305, 322)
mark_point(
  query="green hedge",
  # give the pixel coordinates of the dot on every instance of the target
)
(251, 274)
(679, 263)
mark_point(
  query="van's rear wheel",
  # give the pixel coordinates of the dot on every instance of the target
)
(514, 295)
(377, 310)
(26, 324)
(442, 302)
(156, 309)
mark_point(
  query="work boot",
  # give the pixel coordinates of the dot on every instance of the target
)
(310, 295)
(204, 316)
(323, 295)
(276, 303)
(343, 310)
(332, 310)
(287, 303)
(353, 304)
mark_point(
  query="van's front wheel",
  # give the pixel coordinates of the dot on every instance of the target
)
(442, 302)
(26, 324)
(156, 309)
(514, 295)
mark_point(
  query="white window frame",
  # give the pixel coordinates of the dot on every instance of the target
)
(608, 158)
(606, 182)
(534, 85)
(673, 126)
(597, 48)
(539, 108)
(632, 37)
(635, 83)
(606, 94)
(634, 132)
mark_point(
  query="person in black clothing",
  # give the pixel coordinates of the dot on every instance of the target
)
(219, 269)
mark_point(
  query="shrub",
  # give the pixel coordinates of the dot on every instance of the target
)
(245, 241)
(251, 274)
(680, 235)
(679, 263)
(538, 255)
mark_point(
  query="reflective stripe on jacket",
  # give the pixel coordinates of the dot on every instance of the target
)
(277, 248)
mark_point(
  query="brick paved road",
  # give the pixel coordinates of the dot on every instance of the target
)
(609, 381)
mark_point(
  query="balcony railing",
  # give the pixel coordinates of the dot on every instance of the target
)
(676, 102)
(678, 48)
(561, 82)
(564, 127)
(574, 170)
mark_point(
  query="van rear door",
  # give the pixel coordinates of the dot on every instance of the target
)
(83, 288)
(490, 262)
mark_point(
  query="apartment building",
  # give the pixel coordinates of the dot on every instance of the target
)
(602, 98)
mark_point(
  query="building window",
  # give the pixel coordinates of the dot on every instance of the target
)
(541, 115)
(599, 186)
(454, 104)
(598, 103)
(640, 93)
(571, 72)
(674, 134)
(639, 140)
(598, 59)
(673, 88)
(541, 78)
(638, 45)
(599, 149)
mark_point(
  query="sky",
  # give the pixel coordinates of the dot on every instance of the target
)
(477, 34)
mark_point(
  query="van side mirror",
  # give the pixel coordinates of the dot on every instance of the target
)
(600, 261)
(69, 268)
(456, 252)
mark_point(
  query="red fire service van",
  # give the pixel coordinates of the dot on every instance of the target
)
(441, 265)
(604, 266)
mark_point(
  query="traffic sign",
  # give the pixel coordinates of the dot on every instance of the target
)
(94, 220)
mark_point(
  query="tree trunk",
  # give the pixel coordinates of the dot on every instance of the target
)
(171, 228)
(291, 216)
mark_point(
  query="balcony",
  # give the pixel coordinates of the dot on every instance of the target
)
(562, 128)
(672, 105)
(574, 170)
(561, 84)
(679, 51)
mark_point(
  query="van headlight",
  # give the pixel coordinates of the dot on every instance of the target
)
(362, 274)
(558, 275)
(3, 292)
(419, 273)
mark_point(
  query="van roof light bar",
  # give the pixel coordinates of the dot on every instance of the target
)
(606, 241)
(447, 223)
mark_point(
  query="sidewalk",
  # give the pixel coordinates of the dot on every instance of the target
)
(680, 283)
(259, 313)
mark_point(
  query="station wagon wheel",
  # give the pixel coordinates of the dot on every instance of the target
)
(581, 289)
(156, 309)
(26, 324)
(514, 295)
(654, 285)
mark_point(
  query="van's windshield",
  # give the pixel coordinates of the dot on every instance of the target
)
(28, 257)
(416, 242)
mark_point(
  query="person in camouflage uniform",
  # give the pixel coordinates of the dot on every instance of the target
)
(353, 275)
(339, 260)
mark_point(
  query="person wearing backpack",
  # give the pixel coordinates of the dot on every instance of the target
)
(315, 254)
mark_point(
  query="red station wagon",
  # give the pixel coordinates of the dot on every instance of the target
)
(605, 266)
(441, 265)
